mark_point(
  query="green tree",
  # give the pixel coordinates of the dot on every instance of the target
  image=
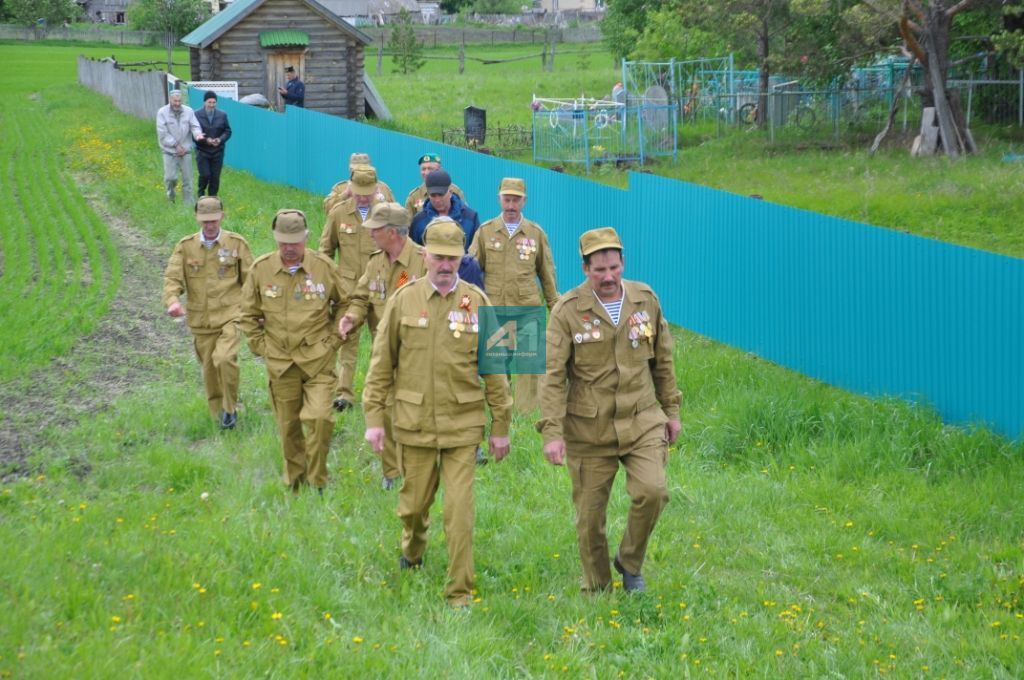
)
(404, 46)
(173, 18)
(28, 12)
(623, 22)
(168, 16)
(1010, 40)
(668, 33)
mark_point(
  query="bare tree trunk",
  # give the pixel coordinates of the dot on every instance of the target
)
(954, 136)
(764, 75)
(895, 106)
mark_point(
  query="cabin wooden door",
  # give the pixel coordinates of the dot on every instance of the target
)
(276, 61)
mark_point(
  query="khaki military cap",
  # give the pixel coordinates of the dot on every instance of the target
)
(364, 180)
(359, 159)
(513, 186)
(444, 237)
(387, 215)
(209, 208)
(599, 239)
(290, 226)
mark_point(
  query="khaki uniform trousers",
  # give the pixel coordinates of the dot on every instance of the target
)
(389, 465)
(217, 352)
(525, 391)
(303, 402)
(423, 468)
(592, 479)
(347, 355)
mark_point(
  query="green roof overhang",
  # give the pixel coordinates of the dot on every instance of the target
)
(285, 38)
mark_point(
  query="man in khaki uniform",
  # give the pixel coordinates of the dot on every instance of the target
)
(428, 162)
(209, 268)
(342, 235)
(340, 191)
(514, 253)
(425, 354)
(610, 397)
(289, 306)
(398, 262)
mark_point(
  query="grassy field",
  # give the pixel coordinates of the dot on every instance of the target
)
(810, 533)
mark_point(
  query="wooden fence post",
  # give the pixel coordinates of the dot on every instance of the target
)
(380, 54)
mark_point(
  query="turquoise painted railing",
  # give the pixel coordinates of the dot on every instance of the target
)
(868, 309)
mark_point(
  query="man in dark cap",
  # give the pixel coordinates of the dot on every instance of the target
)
(443, 202)
(210, 150)
(294, 91)
(428, 162)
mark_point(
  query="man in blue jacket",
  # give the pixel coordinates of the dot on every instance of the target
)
(447, 204)
(210, 150)
(294, 91)
(443, 202)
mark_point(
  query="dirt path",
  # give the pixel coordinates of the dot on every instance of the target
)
(119, 355)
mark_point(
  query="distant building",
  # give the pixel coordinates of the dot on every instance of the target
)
(104, 11)
(572, 5)
(375, 12)
(251, 41)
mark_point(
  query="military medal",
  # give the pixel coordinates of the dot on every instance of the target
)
(465, 302)
(423, 319)
(578, 338)
(403, 278)
(595, 334)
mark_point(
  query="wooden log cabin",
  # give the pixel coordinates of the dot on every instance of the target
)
(252, 41)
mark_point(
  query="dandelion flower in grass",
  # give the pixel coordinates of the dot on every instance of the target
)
(327, 616)
(257, 585)
(115, 619)
(357, 640)
(778, 652)
(277, 616)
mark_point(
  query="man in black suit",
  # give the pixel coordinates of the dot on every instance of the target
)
(210, 151)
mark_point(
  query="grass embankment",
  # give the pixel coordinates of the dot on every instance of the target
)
(811, 532)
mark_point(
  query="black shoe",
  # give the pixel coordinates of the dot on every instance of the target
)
(481, 457)
(631, 583)
(404, 564)
(228, 420)
(342, 405)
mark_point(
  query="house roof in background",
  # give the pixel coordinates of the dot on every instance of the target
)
(223, 21)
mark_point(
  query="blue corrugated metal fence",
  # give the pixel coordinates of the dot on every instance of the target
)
(868, 309)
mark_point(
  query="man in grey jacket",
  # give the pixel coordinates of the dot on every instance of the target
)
(176, 127)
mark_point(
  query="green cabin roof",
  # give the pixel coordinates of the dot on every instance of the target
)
(284, 38)
(221, 22)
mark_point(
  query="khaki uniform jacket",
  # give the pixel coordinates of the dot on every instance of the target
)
(343, 234)
(414, 201)
(438, 398)
(289, 318)
(337, 194)
(511, 265)
(210, 278)
(382, 279)
(603, 395)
